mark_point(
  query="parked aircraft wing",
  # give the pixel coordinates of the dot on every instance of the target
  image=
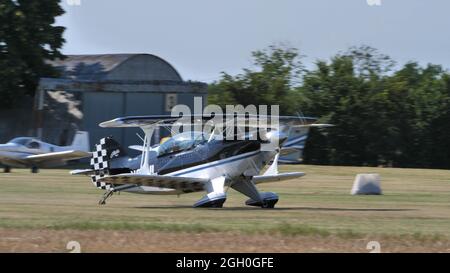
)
(84, 171)
(276, 177)
(186, 184)
(58, 156)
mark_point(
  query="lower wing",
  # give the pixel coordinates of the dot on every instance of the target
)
(161, 181)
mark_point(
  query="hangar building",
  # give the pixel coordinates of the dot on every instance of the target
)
(96, 88)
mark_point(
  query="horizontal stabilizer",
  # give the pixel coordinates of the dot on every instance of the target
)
(136, 147)
(276, 177)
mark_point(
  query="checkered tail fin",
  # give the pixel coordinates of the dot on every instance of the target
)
(105, 151)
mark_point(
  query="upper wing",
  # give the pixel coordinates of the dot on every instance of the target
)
(217, 119)
(162, 181)
(58, 156)
(276, 177)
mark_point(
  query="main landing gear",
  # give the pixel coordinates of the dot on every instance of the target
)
(215, 197)
(7, 169)
(267, 200)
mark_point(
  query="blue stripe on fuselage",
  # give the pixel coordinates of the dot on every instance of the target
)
(214, 164)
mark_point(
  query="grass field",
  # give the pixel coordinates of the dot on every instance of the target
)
(315, 213)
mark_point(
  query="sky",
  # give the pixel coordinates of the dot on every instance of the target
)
(202, 38)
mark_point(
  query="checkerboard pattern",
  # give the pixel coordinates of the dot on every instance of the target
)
(99, 162)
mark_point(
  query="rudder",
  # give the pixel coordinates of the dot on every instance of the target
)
(80, 141)
(107, 150)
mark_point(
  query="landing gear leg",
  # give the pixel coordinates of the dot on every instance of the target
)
(34, 169)
(106, 195)
(7, 169)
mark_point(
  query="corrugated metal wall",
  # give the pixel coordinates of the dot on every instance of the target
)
(98, 107)
(102, 106)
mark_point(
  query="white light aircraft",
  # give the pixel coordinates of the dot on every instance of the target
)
(34, 153)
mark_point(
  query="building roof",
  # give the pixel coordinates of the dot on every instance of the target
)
(116, 67)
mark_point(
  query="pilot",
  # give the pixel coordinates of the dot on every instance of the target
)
(33, 145)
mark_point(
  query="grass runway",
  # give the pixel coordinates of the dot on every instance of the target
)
(316, 213)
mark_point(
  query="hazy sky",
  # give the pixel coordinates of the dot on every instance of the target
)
(201, 38)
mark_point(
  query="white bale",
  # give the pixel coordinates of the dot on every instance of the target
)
(367, 183)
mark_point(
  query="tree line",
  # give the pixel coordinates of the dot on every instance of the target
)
(384, 114)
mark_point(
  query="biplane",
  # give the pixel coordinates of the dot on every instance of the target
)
(211, 159)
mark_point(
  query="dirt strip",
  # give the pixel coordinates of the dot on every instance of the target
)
(19, 240)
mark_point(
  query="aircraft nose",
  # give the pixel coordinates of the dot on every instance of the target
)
(7, 147)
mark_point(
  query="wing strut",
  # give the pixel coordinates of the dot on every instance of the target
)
(145, 168)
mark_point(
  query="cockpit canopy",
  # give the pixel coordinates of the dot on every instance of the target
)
(27, 142)
(182, 142)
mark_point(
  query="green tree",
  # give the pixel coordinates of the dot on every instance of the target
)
(277, 70)
(439, 129)
(417, 98)
(382, 117)
(28, 37)
(348, 92)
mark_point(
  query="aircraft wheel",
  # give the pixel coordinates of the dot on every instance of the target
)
(34, 170)
(269, 204)
(7, 169)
